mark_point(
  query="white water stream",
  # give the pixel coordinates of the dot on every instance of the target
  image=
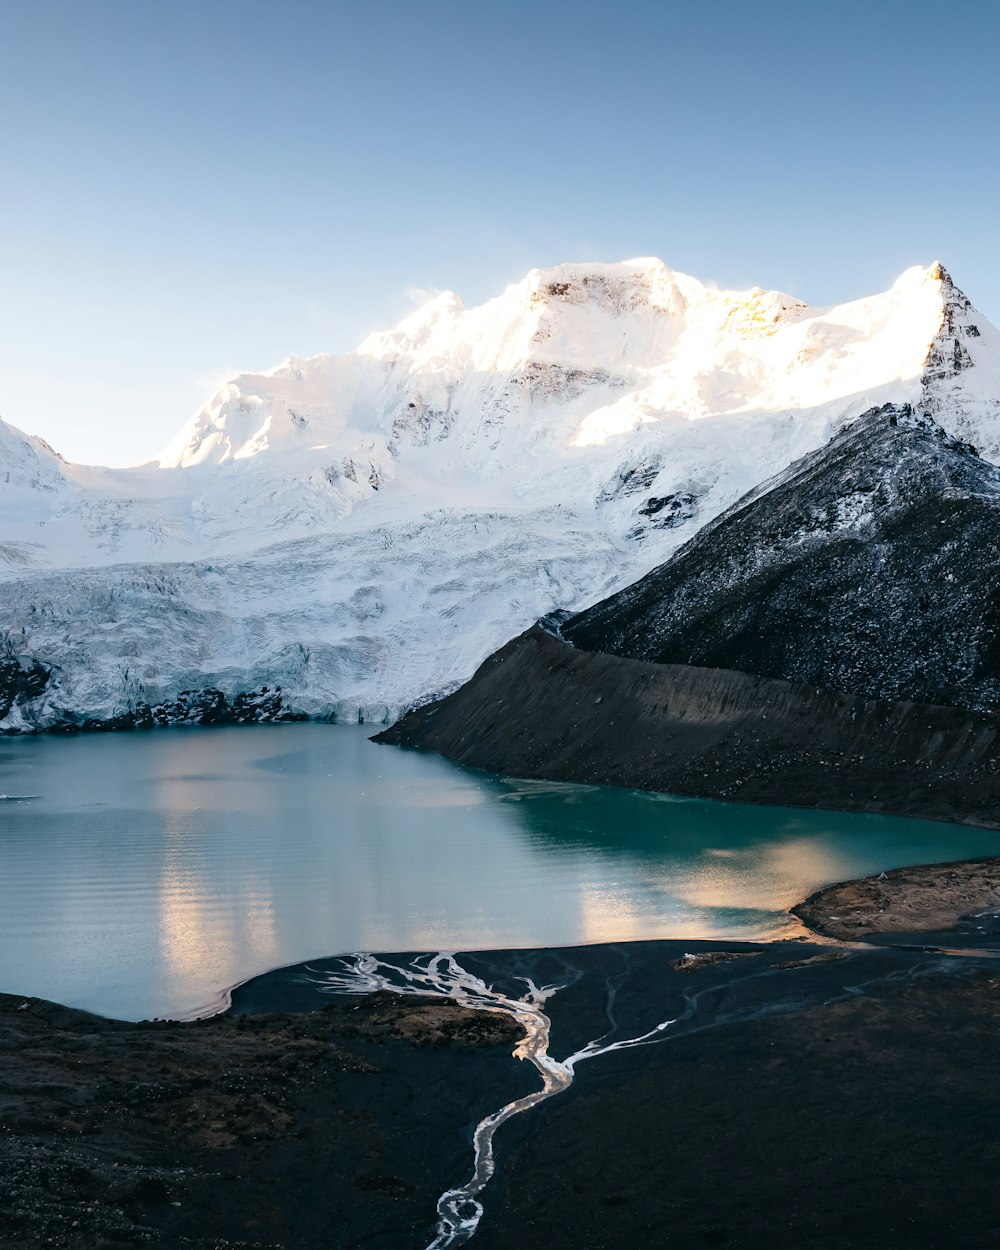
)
(442, 976)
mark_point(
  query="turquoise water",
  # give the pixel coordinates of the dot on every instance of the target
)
(142, 874)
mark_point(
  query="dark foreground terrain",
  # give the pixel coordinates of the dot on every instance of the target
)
(868, 1122)
(803, 1093)
(268, 1131)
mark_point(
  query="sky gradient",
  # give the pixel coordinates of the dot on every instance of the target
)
(193, 189)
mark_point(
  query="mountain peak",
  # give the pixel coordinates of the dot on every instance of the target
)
(937, 273)
(961, 371)
(496, 462)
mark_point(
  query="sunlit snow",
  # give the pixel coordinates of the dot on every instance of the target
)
(362, 530)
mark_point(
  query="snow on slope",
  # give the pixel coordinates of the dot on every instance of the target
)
(961, 376)
(867, 566)
(397, 513)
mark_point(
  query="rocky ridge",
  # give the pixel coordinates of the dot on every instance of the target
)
(869, 566)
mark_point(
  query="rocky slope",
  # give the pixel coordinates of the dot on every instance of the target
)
(361, 531)
(867, 570)
(869, 566)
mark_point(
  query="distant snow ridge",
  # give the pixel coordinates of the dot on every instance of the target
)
(362, 530)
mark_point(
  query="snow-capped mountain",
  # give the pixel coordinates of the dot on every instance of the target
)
(362, 530)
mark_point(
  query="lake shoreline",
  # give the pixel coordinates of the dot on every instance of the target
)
(947, 898)
(210, 855)
(295, 1119)
(543, 708)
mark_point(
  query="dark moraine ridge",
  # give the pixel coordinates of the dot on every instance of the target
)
(541, 708)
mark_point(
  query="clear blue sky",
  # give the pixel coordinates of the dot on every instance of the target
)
(196, 187)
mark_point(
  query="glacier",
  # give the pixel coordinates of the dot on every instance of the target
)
(344, 537)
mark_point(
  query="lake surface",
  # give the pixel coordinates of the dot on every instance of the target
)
(143, 874)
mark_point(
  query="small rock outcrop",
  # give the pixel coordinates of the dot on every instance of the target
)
(22, 677)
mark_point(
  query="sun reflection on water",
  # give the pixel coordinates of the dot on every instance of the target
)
(155, 870)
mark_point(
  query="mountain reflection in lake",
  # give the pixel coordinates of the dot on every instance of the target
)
(141, 874)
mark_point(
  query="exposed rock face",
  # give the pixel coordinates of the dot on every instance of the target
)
(193, 707)
(961, 383)
(21, 678)
(870, 566)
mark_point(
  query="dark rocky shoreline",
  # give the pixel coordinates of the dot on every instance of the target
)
(24, 678)
(826, 1095)
(953, 900)
(542, 708)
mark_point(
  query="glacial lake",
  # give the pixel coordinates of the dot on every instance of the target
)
(143, 874)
